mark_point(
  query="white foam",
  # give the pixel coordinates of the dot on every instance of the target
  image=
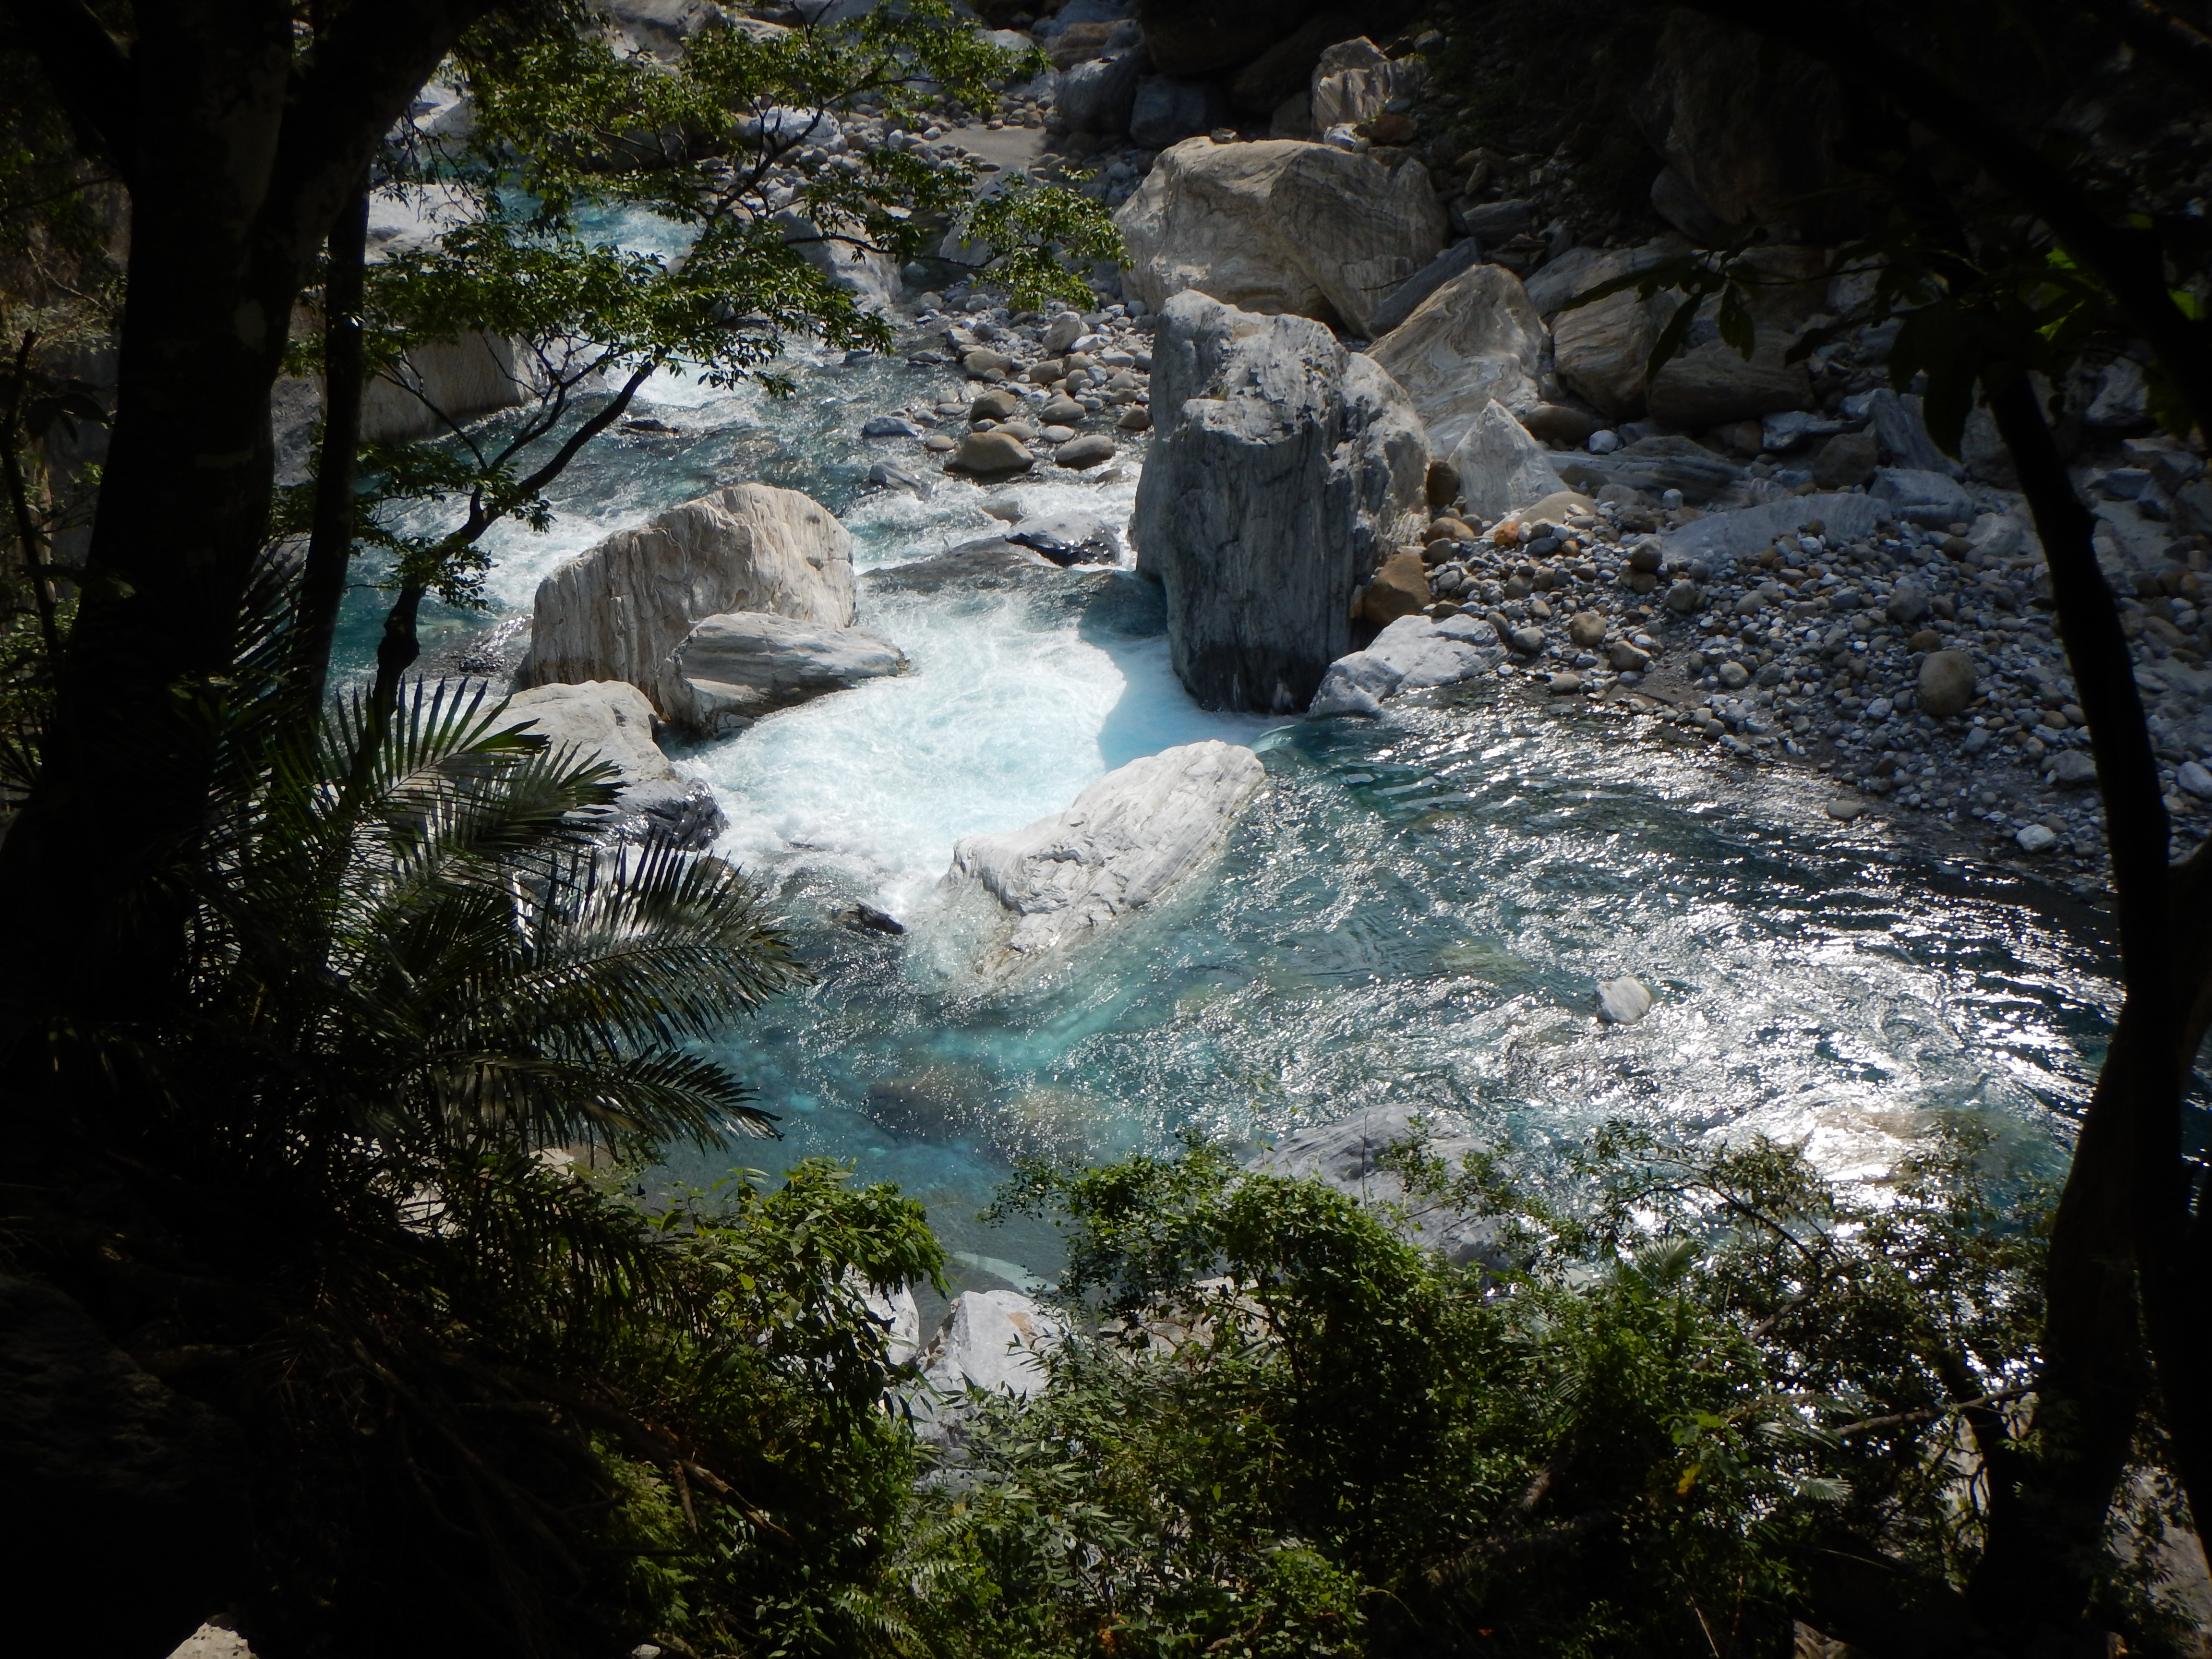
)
(1002, 722)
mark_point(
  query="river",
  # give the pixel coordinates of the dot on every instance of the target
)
(1416, 911)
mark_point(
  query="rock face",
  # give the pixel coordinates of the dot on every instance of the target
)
(619, 611)
(736, 667)
(1599, 350)
(101, 1462)
(611, 720)
(1500, 466)
(1283, 471)
(1347, 1156)
(1279, 226)
(1130, 837)
(1474, 340)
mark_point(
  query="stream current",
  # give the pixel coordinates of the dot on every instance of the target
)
(1415, 912)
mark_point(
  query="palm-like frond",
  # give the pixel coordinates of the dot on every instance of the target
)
(409, 931)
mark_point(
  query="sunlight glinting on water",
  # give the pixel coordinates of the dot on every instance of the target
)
(1415, 911)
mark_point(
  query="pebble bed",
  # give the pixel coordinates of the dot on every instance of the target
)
(1813, 655)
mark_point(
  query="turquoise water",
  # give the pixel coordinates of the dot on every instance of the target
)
(1415, 911)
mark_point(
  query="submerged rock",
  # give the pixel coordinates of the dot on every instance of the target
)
(1280, 226)
(1128, 839)
(1347, 1155)
(1068, 539)
(1623, 1001)
(620, 611)
(732, 669)
(1283, 471)
(611, 720)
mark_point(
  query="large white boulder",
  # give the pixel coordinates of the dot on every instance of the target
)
(619, 611)
(1130, 837)
(1501, 465)
(996, 1340)
(1280, 226)
(734, 668)
(1283, 471)
(1473, 342)
(611, 720)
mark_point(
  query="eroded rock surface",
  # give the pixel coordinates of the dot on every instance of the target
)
(1128, 838)
(620, 611)
(1285, 470)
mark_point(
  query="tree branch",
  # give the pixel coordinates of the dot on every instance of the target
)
(90, 71)
(2172, 41)
(2131, 263)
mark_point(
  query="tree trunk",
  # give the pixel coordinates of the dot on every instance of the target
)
(238, 153)
(2036, 1573)
(345, 376)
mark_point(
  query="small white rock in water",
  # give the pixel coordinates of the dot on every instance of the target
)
(2194, 780)
(2036, 838)
(1622, 1001)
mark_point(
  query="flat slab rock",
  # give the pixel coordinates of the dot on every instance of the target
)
(1748, 532)
(1128, 839)
(1413, 653)
(736, 667)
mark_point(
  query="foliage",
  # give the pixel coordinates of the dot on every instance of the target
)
(1628, 1432)
(480, 1390)
(567, 138)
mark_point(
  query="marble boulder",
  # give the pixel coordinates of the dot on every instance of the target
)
(1283, 471)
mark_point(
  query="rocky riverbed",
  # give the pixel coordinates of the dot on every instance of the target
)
(1664, 744)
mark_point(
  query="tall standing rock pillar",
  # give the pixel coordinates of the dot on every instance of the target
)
(1283, 471)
